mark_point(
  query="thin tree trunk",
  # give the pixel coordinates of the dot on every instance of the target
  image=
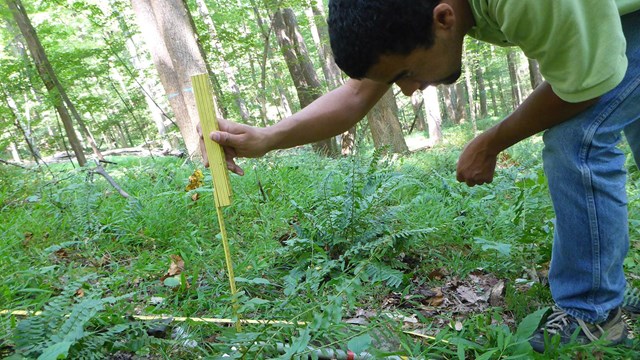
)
(470, 99)
(460, 103)
(434, 116)
(482, 91)
(534, 73)
(47, 74)
(13, 112)
(320, 32)
(229, 72)
(417, 104)
(513, 75)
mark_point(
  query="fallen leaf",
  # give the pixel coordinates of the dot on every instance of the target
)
(458, 326)
(497, 294)
(28, 236)
(433, 297)
(468, 294)
(195, 196)
(195, 180)
(80, 293)
(176, 267)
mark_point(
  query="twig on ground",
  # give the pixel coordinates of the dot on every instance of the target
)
(100, 170)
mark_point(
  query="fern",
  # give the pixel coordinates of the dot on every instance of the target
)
(65, 326)
(379, 272)
(351, 222)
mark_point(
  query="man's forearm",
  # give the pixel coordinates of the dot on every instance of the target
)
(542, 110)
(330, 115)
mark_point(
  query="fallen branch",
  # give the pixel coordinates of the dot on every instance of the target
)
(100, 170)
(10, 163)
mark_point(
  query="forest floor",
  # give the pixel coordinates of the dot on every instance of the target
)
(386, 256)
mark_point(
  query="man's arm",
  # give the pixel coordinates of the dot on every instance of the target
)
(330, 115)
(541, 110)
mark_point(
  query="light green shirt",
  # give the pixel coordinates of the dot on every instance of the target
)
(579, 44)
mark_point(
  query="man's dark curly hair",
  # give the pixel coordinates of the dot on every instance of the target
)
(362, 30)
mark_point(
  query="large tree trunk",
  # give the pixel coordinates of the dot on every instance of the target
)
(49, 78)
(385, 125)
(167, 31)
(301, 68)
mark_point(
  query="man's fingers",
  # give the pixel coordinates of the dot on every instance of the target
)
(224, 138)
(203, 151)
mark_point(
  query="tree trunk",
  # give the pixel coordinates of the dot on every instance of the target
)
(385, 125)
(229, 72)
(434, 117)
(516, 96)
(13, 112)
(301, 69)
(320, 32)
(148, 85)
(167, 31)
(417, 103)
(482, 91)
(49, 78)
(470, 99)
(460, 103)
(534, 73)
(15, 155)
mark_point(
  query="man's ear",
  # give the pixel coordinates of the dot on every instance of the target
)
(443, 16)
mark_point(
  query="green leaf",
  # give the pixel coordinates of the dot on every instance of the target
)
(360, 343)
(172, 281)
(300, 343)
(530, 323)
(56, 351)
(257, 281)
(502, 248)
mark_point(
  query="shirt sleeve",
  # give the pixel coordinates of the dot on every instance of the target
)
(579, 45)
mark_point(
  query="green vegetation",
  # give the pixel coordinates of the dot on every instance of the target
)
(362, 250)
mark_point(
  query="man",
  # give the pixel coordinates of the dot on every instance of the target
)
(589, 53)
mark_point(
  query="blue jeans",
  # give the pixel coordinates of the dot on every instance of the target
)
(587, 181)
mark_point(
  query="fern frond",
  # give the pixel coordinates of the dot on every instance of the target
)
(383, 273)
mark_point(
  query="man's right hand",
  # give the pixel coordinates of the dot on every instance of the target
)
(237, 140)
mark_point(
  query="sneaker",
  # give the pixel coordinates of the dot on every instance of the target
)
(614, 330)
(631, 302)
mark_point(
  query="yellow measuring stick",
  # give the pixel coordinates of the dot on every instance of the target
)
(221, 184)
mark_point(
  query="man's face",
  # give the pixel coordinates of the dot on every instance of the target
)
(440, 64)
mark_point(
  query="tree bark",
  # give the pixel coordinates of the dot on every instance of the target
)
(434, 116)
(482, 91)
(417, 104)
(301, 68)
(171, 41)
(534, 74)
(320, 32)
(513, 75)
(46, 72)
(13, 112)
(229, 72)
(385, 125)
